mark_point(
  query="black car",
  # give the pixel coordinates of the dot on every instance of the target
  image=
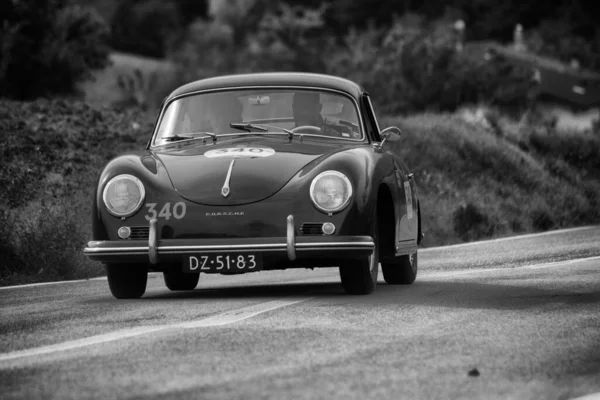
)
(255, 172)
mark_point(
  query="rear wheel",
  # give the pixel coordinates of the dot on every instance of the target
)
(127, 281)
(178, 280)
(401, 271)
(360, 276)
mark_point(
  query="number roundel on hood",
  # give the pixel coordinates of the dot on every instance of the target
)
(240, 152)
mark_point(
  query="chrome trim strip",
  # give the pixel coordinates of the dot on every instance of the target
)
(336, 244)
(291, 238)
(225, 191)
(264, 247)
(133, 250)
(164, 107)
(153, 242)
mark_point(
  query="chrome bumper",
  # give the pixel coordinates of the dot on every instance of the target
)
(291, 247)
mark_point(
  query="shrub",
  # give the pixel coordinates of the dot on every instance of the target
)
(247, 36)
(470, 223)
(580, 150)
(52, 152)
(46, 238)
(541, 220)
(145, 27)
(414, 66)
(48, 47)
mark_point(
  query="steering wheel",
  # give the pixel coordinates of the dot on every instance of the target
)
(307, 129)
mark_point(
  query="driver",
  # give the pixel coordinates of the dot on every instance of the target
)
(306, 107)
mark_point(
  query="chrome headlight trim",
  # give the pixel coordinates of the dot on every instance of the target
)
(346, 181)
(139, 203)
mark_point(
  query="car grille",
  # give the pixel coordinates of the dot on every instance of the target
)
(311, 228)
(140, 232)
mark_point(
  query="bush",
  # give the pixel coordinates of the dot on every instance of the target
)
(145, 27)
(48, 47)
(470, 223)
(415, 67)
(45, 239)
(579, 150)
(52, 152)
(247, 36)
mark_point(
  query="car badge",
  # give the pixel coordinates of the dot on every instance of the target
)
(225, 191)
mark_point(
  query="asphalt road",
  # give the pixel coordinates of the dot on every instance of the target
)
(515, 318)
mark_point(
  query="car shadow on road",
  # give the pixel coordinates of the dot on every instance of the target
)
(277, 290)
(437, 293)
(482, 295)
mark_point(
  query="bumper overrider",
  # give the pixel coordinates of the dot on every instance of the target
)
(289, 249)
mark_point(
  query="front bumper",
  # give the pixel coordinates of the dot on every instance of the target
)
(291, 250)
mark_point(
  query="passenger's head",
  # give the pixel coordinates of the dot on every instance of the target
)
(307, 108)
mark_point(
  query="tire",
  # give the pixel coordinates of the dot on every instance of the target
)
(402, 271)
(360, 276)
(177, 280)
(127, 281)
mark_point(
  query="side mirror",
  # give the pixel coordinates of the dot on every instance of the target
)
(386, 134)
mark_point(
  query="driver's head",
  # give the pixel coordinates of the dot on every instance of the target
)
(307, 109)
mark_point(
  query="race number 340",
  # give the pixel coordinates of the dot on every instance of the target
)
(167, 211)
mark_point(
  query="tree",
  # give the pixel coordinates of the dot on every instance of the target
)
(49, 46)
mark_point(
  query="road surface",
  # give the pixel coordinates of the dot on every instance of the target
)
(515, 318)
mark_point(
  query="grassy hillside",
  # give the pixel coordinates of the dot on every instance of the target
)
(51, 153)
(477, 182)
(474, 182)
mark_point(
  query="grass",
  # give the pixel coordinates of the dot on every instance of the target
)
(474, 182)
(52, 152)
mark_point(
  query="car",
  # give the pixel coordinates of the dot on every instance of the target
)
(255, 172)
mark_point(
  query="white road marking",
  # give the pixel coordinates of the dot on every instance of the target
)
(532, 266)
(591, 396)
(227, 317)
(99, 278)
(504, 239)
(230, 317)
(75, 344)
(29, 285)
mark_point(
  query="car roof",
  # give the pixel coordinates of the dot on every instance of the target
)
(296, 79)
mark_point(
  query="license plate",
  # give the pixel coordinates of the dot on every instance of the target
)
(231, 262)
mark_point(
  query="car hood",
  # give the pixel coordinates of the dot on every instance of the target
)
(261, 167)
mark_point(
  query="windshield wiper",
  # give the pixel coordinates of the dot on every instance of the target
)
(248, 127)
(259, 128)
(191, 135)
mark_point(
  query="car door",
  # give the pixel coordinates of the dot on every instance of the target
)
(405, 200)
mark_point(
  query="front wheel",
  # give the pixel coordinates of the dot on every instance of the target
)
(127, 281)
(360, 276)
(401, 271)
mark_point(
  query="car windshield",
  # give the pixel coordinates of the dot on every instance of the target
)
(305, 112)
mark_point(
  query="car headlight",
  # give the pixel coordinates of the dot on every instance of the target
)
(331, 191)
(123, 195)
